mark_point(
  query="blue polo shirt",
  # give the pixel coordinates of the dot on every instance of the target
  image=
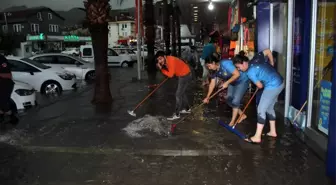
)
(225, 72)
(260, 71)
(208, 50)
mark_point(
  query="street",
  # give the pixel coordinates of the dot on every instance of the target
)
(70, 142)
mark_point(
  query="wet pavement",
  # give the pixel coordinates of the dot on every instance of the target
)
(70, 142)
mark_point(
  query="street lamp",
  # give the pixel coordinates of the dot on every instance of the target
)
(211, 6)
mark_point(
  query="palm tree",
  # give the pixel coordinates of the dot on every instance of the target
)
(150, 36)
(166, 28)
(178, 28)
(97, 17)
(173, 28)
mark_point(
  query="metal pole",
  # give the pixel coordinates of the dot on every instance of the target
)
(289, 62)
(241, 40)
(143, 53)
(271, 28)
(139, 41)
(311, 63)
(5, 16)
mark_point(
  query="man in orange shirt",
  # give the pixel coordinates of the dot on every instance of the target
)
(172, 66)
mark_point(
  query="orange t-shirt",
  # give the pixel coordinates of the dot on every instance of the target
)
(175, 67)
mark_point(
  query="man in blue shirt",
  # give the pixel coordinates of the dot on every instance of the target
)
(208, 50)
(236, 82)
(264, 76)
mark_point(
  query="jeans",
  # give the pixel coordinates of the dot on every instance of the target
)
(205, 70)
(258, 96)
(236, 93)
(181, 96)
(266, 105)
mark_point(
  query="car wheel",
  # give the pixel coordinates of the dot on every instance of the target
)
(90, 76)
(51, 88)
(124, 64)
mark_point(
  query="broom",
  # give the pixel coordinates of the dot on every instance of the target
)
(173, 126)
(232, 129)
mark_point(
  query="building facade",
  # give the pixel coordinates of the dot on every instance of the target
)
(121, 32)
(31, 21)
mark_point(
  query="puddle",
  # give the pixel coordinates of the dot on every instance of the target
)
(12, 137)
(154, 124)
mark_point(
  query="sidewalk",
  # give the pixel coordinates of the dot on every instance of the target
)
(70, 143)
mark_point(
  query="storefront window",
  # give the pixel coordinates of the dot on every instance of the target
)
(323, 64)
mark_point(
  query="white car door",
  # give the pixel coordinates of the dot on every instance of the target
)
(113, 59)
(71, 65)
(87, 53)
(26, 73)
(47, 60)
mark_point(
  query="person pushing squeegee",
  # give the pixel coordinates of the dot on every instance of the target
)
(171, 66)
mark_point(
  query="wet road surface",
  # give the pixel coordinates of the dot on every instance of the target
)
(70, 143)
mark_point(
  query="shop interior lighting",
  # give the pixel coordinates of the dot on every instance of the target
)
(211, 6)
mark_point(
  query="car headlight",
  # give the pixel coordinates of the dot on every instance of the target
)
(24, 92)
(65, 76)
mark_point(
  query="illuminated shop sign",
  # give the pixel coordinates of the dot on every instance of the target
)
(36, 37)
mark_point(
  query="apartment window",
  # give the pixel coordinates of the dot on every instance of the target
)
(39, 15)
(17, 27)
(53, 28)
(49, 16)
(35, 28)
(4, 28)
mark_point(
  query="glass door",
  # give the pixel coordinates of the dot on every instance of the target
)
(323, 65)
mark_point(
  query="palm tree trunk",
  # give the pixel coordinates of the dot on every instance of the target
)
(173, 23)
(166, 28)
(178, 31)
(150, 35)
(99, 35)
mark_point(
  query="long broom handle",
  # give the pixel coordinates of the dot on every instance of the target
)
(305, 103)
(297, 114)
(248, 103)
(150, 94)
(214, 94)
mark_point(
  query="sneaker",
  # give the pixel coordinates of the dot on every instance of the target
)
(174, 117)
(184, 111)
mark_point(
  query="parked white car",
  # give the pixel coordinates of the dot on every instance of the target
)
(44, 79)
(82, 69)
(113, 58)
(126, 51)
(23, 95)
(144, 51)
(71, 51)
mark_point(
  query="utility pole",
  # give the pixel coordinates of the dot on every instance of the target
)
(6, 23)
(139, 38)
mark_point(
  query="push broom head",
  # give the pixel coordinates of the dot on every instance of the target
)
(172, 129)
(132, 113)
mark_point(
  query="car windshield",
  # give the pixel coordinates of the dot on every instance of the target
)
(34, 63)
